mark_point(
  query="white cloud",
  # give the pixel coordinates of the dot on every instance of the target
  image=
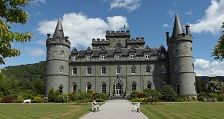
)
(212, 20)
(130, 5)
(189, 12)
(36, 52)
(171, 13)
(208, 68)
(166, 25)
(81, 29)
(39, 1)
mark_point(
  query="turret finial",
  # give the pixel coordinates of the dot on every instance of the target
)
(59, 30)
(177, 27)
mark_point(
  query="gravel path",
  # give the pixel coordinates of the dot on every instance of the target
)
(115, 109)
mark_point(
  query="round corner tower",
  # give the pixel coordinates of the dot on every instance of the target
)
(182, 75)
(58, 52)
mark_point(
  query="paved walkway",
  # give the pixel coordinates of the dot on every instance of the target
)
(115, 109)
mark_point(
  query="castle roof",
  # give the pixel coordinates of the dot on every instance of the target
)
(124, 52)
(177, 27)
(58, 30)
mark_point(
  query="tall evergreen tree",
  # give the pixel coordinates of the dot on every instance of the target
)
(218, 51)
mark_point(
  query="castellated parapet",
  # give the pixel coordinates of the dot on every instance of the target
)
(58, 41)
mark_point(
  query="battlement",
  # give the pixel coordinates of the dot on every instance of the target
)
(58, 41)
(117, 33)
(98, 41)
(136, 40)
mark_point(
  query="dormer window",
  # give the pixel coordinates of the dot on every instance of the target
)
(117, 56)
(146, 56)
(88, 57)
(132, 56)
(73, 58)
(102, 57)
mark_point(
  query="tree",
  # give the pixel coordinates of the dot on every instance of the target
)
(218, 51)
(11, 12)
(168, 94)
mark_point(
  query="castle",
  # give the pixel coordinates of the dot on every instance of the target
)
(120, 64)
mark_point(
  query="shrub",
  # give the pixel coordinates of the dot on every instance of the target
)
(19, 99)
(60, 99)
(201, 98)
(7, 99)
(73, 96)
(100, 97)
(51, 95)
(37, 99)
(168, 94)
(152, 95)
(84, 97)
(134, 94)
(141, 95)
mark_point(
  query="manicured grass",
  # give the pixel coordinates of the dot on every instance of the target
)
(43, 111)
(194, 110)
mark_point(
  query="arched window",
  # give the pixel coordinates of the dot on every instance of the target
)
(104, 87)
(148, 69)
(74, 71)
(74, 88)
(163, 69)
(88, 86)
(89, 70)
(61, 69)
(163, 84)
(103, 70)
(133, 69)
(149, 85)
(61, 89)
(62, 52)
(178, 89)
(133, 87)
(118, 70)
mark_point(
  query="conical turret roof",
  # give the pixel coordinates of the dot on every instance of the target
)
(177, 27)
(58, 30)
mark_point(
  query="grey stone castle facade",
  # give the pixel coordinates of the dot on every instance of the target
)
(120, 64)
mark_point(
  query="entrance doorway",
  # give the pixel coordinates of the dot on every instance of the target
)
(118, 89)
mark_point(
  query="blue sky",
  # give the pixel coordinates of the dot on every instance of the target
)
(86, 19)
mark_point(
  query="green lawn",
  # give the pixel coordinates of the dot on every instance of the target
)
(43, 111)
(184, 110)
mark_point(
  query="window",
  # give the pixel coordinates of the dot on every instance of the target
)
(146, 56)
(132, 56)
(104, 87)
(103, 70)
(102, 56)
(174, 51)
(147, 69)
(61, 89)
(74, 87)
(88, 57)
(88, 86)
(133, 69)
(74, 71)
(133, 87)
(117, 56)
(163, 69)
(163, 84)
(118, 70)
(149, 85)
(74, 58)
(88, 72)
(61, 69)
(62, 52)
(178, 89)
(193, 66)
